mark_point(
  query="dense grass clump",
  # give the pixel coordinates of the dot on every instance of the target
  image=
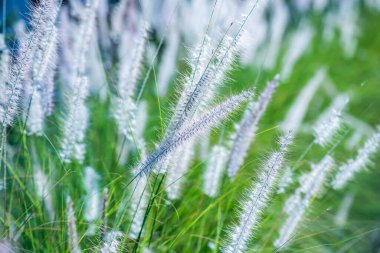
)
(189, 126)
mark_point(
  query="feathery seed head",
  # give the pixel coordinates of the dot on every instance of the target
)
(35, 119)
(198, 92)
(45, 57)
(178, 165)
(286, 179)
(329, 123)
(43, 186)
(299, 44)
(90, 180)
(256, 200)
(194, 128)
(75, 122)
(285, 141)
(131, 62)
(41, 182)
(72, 227)
(138, 205)
(299, 107)
(42, 23)
(4, 69)
(295, 206)
(214, 170)
(312, 183)
(246, 131)
(13, 94)
(112, 242)
(125, 115)
(347, 171)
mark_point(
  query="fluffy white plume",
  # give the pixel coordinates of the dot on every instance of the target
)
(141, 118)
(347, 171)
(138, 205)
(75, 122)
(347, 20)
(42, 47)
(45, 56)
(4, 65)
(17, 69)
(278, 23)
(214, 170)
(76, 117)
(246, 131)
(47, 89)
(300, 105)
(35, 120)
(330, 121)
(252, 41)
(299, 43)
(130, 62)
(289, 226)
(86, 32)
(129, 69)
(12, 94)
(223, 60)
(198, 62)
(117, 19)
(43, 186)
(177, 173)
(72, 227)
(112, 243)
(202, 91)
(207, 74)
(191, 103)
(295, 206)
(125, 115)
(68, 28)
(194, 128)
(256, 200)
(312, 183)
(93, 201)
(286, 179)
(194, 28)
(168, 62)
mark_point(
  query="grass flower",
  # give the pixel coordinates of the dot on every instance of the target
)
(296, 205)
(347, 171)
(256, 200)
(112, 243)
(72, 227)
(329, 122)
(75, 122)
(246, 130)
(298, 109)
(214, 170)
(138, 205)
(93, 203)
(193, 129)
